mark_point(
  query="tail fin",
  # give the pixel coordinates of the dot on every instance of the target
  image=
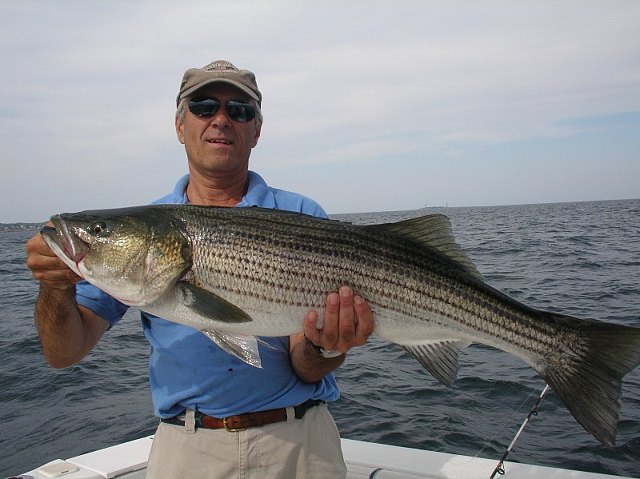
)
(588, 376)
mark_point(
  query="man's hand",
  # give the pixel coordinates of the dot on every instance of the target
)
(46, 267)
(347, 322)
(67, 332)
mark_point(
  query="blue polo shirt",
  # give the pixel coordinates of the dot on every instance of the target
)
(187, 370)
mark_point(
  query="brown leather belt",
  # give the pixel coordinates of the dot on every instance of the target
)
(244, 421)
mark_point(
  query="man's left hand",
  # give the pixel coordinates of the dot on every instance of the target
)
(347, 322)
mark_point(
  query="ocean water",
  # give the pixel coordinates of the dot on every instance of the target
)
(581, 259)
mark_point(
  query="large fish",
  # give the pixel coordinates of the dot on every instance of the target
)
(237, 273)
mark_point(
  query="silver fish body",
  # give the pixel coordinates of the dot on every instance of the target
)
(237, 273)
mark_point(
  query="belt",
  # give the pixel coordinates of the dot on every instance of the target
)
(244, 421)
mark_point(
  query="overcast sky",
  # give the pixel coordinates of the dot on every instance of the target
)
(368, 105)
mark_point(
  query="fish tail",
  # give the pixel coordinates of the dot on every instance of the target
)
(588, 377)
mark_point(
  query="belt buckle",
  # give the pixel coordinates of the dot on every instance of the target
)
(231, 429)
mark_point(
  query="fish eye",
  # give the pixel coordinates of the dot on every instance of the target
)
(98, 227)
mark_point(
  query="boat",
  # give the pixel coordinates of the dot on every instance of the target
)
(364, 460)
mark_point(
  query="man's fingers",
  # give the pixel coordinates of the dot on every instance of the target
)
(364, 323)
(330, 323)
(46, 266)
(347, 320)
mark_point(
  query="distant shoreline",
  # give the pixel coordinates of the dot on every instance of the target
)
(8, 227)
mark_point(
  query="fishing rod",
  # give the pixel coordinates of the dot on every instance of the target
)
(534, 412)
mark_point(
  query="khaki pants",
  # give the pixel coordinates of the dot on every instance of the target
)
(307, 448)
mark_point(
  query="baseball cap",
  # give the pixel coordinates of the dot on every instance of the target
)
(219, 71)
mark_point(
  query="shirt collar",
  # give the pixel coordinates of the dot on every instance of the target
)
(258, 192)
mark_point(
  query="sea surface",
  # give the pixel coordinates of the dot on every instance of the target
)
(581, 259)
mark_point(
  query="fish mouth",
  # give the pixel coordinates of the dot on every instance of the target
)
(65, 244)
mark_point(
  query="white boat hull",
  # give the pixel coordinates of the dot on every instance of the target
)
(364, 460)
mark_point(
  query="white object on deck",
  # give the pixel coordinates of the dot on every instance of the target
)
(364, 460)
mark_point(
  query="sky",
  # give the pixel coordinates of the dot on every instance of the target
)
(368, 105)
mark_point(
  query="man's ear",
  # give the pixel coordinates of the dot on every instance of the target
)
(180, 130)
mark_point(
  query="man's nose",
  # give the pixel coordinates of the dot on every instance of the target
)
(220, 117)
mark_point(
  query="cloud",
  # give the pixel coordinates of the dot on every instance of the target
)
(89, 93)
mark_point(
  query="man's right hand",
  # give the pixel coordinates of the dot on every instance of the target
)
(67, 331)
(47, 267)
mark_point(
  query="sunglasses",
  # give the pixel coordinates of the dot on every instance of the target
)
(239, 111)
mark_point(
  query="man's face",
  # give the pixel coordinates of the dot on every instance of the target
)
(217, 145)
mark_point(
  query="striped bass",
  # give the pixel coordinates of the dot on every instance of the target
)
(239, 273)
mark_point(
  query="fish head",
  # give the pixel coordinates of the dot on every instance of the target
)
(135, 255)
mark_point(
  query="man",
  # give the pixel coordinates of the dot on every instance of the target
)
(220, 416)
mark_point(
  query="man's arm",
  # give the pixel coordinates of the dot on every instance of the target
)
(348, 322)
(67, 332)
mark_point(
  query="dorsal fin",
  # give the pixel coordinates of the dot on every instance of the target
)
(435, 232)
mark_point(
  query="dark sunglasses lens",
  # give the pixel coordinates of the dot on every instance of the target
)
(240, 111)
(205, 107)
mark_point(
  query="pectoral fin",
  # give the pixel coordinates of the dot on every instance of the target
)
(244, 348)
(210, 305)
(440, 359)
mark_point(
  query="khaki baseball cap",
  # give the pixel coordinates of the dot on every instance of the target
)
(219, 71)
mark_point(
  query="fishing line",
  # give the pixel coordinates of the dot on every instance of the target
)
(504, 423)
(534, 412)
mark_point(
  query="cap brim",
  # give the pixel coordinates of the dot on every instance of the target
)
(239, 86)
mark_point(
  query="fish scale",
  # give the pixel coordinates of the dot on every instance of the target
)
(237, 273)
(265, 241)
(480, 312)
